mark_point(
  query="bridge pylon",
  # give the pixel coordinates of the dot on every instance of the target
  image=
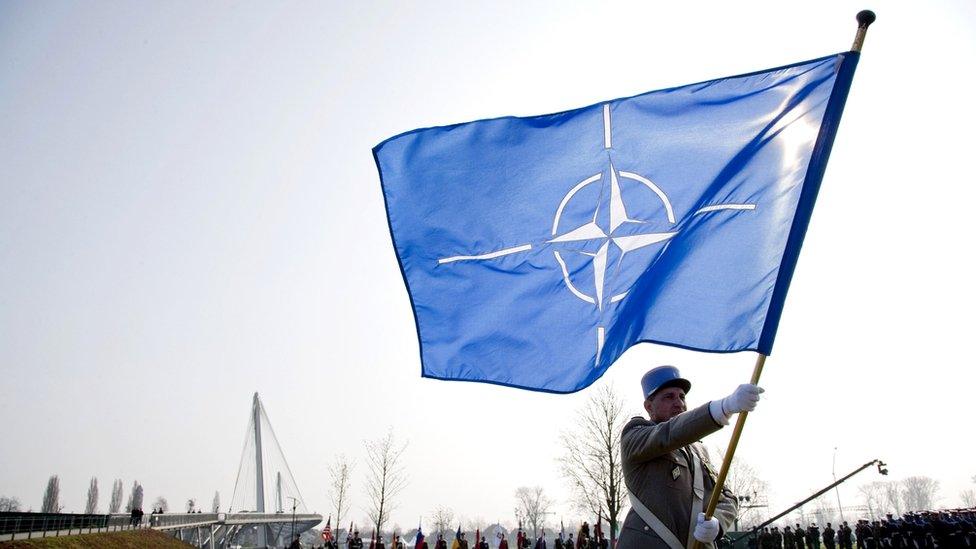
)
(263, 473)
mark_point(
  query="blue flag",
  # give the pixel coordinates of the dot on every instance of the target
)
(537, 250)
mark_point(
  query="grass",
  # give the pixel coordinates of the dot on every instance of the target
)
(137, 539)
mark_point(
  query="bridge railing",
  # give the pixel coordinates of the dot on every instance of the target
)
(63, 524)
(27, 525)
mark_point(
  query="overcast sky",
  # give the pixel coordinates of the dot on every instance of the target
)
(189, 212)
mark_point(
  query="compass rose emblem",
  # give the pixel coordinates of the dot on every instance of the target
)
(617, 236)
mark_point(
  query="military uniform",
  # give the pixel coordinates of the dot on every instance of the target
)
(657, 461)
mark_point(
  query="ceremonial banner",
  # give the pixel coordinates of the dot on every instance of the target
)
(537, 250)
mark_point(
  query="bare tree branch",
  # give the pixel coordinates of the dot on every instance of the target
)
(442, 520)
(532, 505)
(340, 472)
(919, 493)
(753, 492)
(116, 504)
(9, 504)
(591, 464)
(91, 503)
(51, 494)
(386, 478)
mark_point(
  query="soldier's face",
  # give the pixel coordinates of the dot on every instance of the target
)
(665, 404)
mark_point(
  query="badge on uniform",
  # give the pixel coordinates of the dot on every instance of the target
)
(675, 473)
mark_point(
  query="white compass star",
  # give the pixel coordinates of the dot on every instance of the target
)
(626, 243)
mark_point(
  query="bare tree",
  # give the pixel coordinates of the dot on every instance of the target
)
(892, 497)
(744, 481)
(340, 471)
(115, 505)
(161, 504)
(215, 506)
(442, 519)
(968, 498)
(91, 505)
(386, 478)
(873, 496)
(591, 462)
(919, 493)
(135, 497)
(9, 504)
(824, 511)
(51, 494)
(532, 505)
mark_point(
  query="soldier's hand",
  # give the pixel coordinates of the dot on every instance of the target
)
(743, 399)
(706, 530)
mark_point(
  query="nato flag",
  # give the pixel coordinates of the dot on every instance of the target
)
(537, 250)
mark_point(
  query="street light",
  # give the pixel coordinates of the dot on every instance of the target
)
(294, 504)
(833, 471)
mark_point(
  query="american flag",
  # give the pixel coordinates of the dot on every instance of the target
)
(327, 531)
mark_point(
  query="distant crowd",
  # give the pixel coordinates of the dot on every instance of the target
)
(954, 528)
(523, 540)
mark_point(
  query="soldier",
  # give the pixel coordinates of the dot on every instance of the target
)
(483, 544)
(356, 542)
(777, 538)
(602, 542)
(667, 473)
(813, 536)
(765, 539)
(799, 533)
(860, 533)
(441, 544)
(789, 542)
(559, 541)
(828, 537)
(569, 541)
(844, 536)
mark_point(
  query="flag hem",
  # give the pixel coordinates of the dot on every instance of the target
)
(816, 169)
(591, 105)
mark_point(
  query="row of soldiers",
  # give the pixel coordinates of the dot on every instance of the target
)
(522, 541)
(803, 538)
(923, 530)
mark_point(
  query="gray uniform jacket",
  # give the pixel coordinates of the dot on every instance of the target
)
(657, 469)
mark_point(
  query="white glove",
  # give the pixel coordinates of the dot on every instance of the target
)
(706, 530)
(743, 399)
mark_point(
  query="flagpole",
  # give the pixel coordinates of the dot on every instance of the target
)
(864, 20)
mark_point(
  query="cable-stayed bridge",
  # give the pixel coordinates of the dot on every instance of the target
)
(267, 509)
(265, 486)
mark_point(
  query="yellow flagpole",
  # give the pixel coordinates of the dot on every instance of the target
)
(864, 20)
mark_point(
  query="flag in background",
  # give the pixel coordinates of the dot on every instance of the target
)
(327, 531)
(457, 538)
(419, 542)
(537, 250)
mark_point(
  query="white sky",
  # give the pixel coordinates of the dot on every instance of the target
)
(189, 212)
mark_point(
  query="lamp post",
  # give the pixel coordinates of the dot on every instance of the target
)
(294, 505)
(833, 472)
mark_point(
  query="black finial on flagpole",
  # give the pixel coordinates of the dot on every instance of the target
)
(864, 20)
